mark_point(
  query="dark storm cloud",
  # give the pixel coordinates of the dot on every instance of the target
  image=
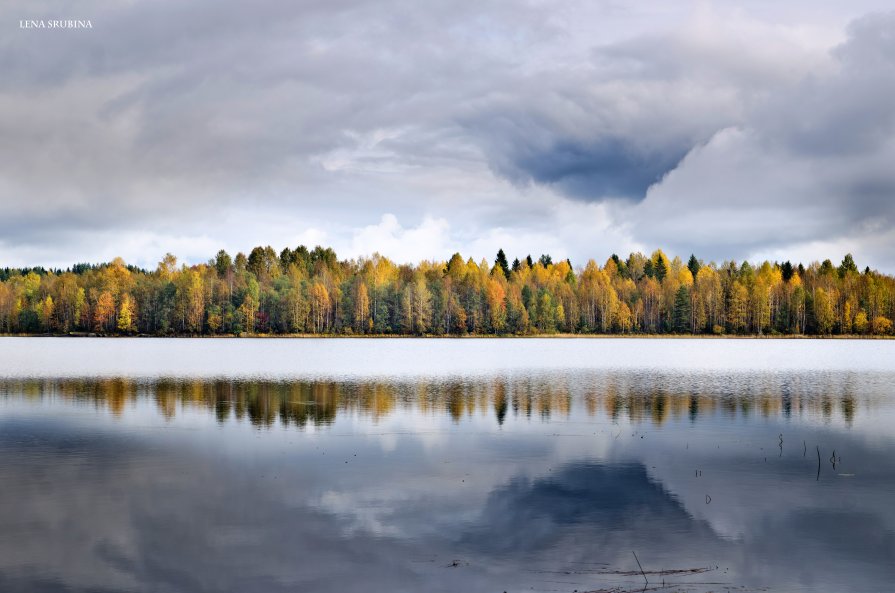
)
(585, 168)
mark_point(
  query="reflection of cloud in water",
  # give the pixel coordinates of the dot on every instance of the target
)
(586, 518)
(91, 503)
(608, 502)
(106, 515)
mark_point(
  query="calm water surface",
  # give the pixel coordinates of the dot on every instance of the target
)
(446, 465)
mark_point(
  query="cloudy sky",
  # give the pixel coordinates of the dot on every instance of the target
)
(418, 128)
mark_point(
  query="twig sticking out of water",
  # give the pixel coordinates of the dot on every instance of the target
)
(804, 449)
(818, 463)
(641, 568)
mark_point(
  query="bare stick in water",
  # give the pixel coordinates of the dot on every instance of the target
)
(641, 568)
(818, 463)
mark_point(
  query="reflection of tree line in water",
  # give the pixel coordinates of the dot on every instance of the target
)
(318, 402)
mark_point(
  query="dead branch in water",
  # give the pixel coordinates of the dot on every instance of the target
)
(641, 568)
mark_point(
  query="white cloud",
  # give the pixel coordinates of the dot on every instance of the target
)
(429, 240)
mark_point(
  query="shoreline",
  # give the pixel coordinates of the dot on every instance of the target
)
(557, 336)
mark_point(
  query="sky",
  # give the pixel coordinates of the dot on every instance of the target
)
(731, 130)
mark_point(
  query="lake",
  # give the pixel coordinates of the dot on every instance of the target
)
(458, 465)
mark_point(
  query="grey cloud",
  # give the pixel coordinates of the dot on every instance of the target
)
(169, 112)
(214, 89)
(808, 165)
(844, 113)
(211, 104)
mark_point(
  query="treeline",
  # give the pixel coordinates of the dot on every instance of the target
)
(313, 292)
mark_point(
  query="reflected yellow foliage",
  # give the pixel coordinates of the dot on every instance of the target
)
(605, 396)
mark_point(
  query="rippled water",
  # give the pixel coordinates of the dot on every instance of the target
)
(446, 465)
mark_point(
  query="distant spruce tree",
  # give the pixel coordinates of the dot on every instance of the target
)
(501, 260)
(787, 271)
(222, 263)
(848, 265)
(661, 269)
(682, 310)
(693, 265)
(526, 296)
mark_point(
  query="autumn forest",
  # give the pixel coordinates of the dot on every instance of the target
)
(302, 291)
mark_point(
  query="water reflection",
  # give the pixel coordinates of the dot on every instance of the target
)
(650, 397)
(516, 482)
